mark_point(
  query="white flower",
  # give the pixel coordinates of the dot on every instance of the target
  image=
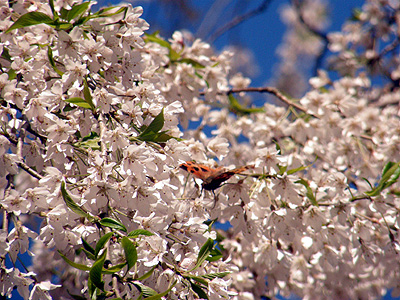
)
(218, 147)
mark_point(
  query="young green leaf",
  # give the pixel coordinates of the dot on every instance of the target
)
(79, 102)
(144, 290)
(111, 223)
(86, 246)
(77, 10)
(153, 38)
(150, 294)
(102, 241)
(114, 269)
(74, 264)
(301, 168)
(192, 62)
(52, 62)
(88, 254)
(95, 273)
(72, 205)
(130, 252)
(155, 126)
(76, 297)
(147, 274)
(29, 19)
(390, 175)
(215, 255)
(309, 192)
(239, 109)
(204, 253)
(102, 12)
(137, 232)
(198, 290)
(211, 276)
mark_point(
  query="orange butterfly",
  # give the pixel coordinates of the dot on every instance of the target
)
(212, 177)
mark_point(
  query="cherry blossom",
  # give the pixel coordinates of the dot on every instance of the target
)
(94, 118)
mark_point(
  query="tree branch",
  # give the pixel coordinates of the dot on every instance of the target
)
(239, 19)
(275, 92)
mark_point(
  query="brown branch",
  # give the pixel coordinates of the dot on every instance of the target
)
(297, 5)
(314, 31)
(276, 93)
(12, 139)
(239, 19)
(29, 170)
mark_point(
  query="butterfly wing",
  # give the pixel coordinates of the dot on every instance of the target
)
(212, 178)
(214, 182)
(200, 171)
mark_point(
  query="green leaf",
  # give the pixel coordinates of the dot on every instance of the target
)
(90, 141)
(29, 19)
(192, 62)
(111, 223)
(147, 274)
(102, 241)
(367, 181)
(309, 192)
(282, 169)
(173, 55)
(52, 63)
(74, 264)
(130, 252)
(301, 168)
(91, 289)
(390, 175)
(114, 269)
(86, 246)
(162, 137)
(77, 10)
(95, 273)
(153, 38)
(145, 290)
(149, 137)
(78, 102)
(292, 171)
(76, 297)
(150, 294)
(211, 276)
(204, 253)
(239, 109)
(72, 205)
(215, 255)
(198, 279)
(88, 254)
(60, 25)
(87, 94)
(198, 290)
(51, 4)
(137, 232)
(155, 126)
(102, 12)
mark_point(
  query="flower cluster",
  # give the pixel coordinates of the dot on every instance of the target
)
(96, 117)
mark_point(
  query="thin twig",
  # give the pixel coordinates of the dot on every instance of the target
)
(239, 19)
(275, 92)
(314, 31)
(12, 139)
(29, 170)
